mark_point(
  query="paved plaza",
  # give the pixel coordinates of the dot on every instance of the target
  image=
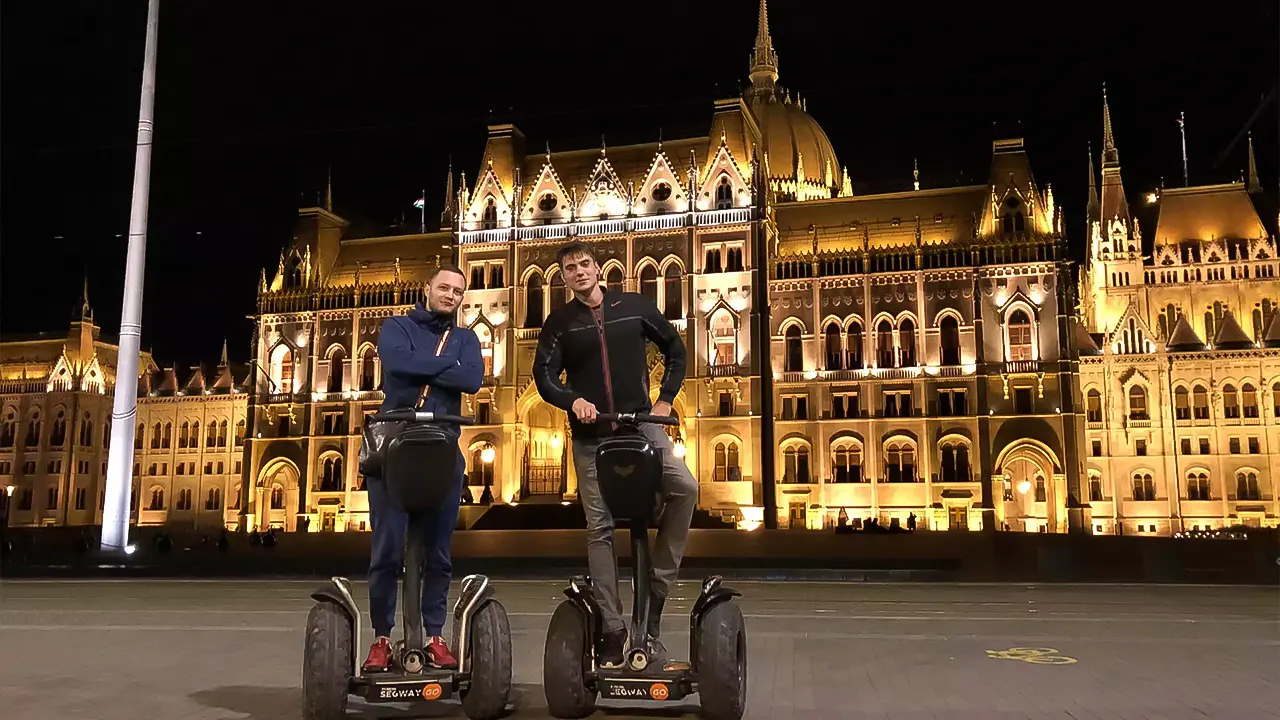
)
(188, 650)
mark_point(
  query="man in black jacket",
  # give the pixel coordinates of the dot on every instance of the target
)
(599, 340)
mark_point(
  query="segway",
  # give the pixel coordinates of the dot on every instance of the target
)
(419, 467)
(629, 470)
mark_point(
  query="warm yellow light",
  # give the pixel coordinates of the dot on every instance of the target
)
(487, 454)
(9, 490)
(678, 450)
(1024, 486)
(556, 441)
(1152, 198)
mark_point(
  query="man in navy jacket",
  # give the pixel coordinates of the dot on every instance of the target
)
(423, 349)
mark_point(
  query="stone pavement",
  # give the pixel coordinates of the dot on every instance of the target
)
(217, 650)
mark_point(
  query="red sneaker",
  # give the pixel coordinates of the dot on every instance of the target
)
(438, 654)
(379, 659)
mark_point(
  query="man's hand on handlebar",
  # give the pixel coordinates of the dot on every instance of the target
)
(661, 409)
(585, 411)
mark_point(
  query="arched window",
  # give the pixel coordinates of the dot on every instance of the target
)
(559, 295)
(1138, 403)
(907, 343)
(846, 464)
(1230, 402)
(1093, 407)
(1200, 402)
(884, 345)
(157, 431)
(649, 283)
(368, 369)
(277, 497)
(724, 339)
(950, 340)
(533, 301)
(240, 430)
(86, 431)
(490, 218)
(853, 346)
(726, 462)
(835, 352)
(1012, 220)
(286, 371)
(1019, 328)
(213, 501)
(673, 300)
(58, 434)
(331, 477)
(1095, 487)
(9, 430)
(724, 193)
(480, 472)
(1181, 404)
(337, 369)
(900, 461)
(955, 462)
(613, 279)
(1249, 400)
(1247, 486)
(168, 436)
(1198, 486)
(157, 499)
(184, 435)
(795, 464)
(794, 360)
(211, 434)
(1144, 487)
(222, 434)
(35, 427)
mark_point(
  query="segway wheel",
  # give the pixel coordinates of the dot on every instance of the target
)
(564, 664)
(326, 663)
(490, 665)
(722, 662)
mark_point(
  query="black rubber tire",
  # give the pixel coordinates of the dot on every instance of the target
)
(722, 662)
(564, 664)
(490, 653)
(326, 662)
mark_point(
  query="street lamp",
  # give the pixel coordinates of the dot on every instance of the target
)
(1024, 487)
(487, 454)
(678, 449)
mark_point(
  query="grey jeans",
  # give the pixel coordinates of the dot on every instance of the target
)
(679, 498)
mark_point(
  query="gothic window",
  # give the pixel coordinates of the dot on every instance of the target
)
(794, 360)
(950, 340)
(884, 344)
(156, 431)
(533, 301)
(211, 434)
(1012, 219)
(157, 499)
(726, 463)
(735, 260)
(1094, 406)
(900, 461)
(673, 300)
(853, 346)
(955, 462)
(795, 464)
(724, 339)
(1182, 404)
(1198, 486)
(496, 278)
(559, 295)
(1230, 402)
(1200, 402)
(649, 283)
(835, 353)
(846, 464)
(1019, 328)
(712, 262)
(9, 430)
(1138, 403)
(724, 193)
(613, 279)
(907, 343)
(1095, 487)
(214, 499)
(477, 277)
(86, 431)
(184, 435)
(1144, 487)
(331, 478)
(240, 430)
(1247, 486)
(277, 497)
(490, 219)
(58, 435)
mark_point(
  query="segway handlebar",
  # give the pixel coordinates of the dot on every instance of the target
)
(637, 418)
(411, 415)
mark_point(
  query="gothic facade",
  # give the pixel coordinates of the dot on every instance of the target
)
(930, 353)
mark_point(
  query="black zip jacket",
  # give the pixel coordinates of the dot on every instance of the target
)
(602, 354)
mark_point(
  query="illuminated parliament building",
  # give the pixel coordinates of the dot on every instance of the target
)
(934, 353)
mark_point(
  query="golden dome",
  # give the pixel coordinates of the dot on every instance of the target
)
(794, 141)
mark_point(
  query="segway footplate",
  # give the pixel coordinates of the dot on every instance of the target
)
(398, 688)
(658, 685)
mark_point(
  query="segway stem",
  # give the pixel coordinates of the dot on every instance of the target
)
(413, 635)
(640, 583)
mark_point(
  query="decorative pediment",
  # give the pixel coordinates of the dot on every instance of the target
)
(605, 196)
(93, 379)
(1131, 335)
(662, 190)
(1165, 255)
(489, 207)
(1132, 377)
(722, 171)
(1018, 297)
(63, 377)
(548, 200)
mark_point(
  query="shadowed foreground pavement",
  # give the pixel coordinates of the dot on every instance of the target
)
(186, 650)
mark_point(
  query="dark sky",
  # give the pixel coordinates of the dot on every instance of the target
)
(256, 100)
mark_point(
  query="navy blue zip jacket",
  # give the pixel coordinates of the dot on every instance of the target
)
(407, 346)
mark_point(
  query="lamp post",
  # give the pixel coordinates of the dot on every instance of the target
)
(115, 515)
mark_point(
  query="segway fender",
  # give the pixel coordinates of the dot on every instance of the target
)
(338, 592)
(713, 593)
(475, 592)
(579, 593)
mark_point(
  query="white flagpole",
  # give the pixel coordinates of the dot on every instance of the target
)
(115, 514)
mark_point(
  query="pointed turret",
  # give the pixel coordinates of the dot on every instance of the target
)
(222, 361)
(1231, 336)
(1183, 338)
(1253, 184)
(86, 311)
(764, 60)
(1114, 206)
(328, 191)
(448, 214)
(1094, 208)
(1272, 337)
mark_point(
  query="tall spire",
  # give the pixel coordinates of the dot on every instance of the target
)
(1095, 208)
(86, 312)
(1114, 207)
(223, 362)
(1253, 184)
(1109, 153)
(764, 61)
(328, 191)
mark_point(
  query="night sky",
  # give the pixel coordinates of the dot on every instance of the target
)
(256, 101)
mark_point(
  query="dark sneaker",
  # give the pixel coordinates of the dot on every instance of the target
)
(655, 615)
(438, 655)
(612, 644)
(379, 659)
(657, 652)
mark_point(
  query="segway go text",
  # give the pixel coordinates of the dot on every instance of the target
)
(420, 466)
(629, 470)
